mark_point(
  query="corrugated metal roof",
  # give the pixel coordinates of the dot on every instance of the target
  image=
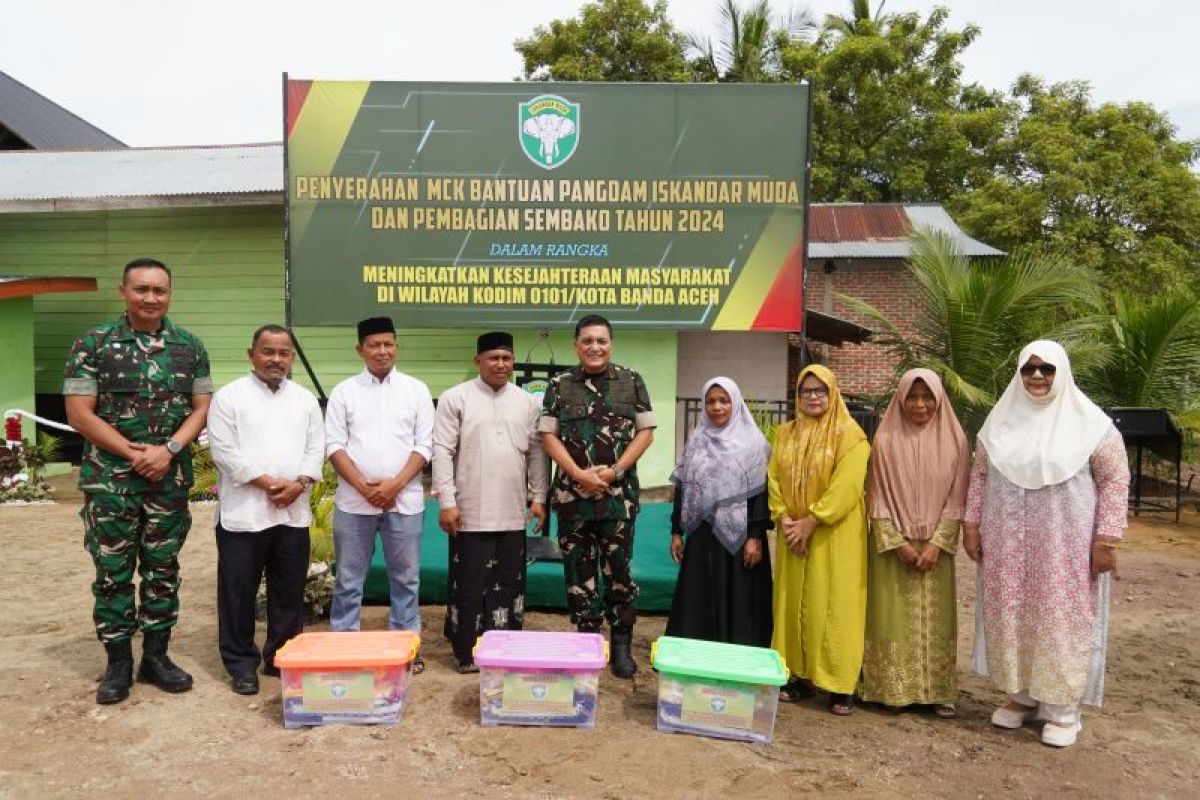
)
(138, 172)
(44, 124)
(841, 222)
(881, 230)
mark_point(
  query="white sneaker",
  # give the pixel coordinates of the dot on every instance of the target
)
(1006, 718)
(1060, 736)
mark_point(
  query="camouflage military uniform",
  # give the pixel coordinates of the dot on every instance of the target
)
(143, 384)
(596, 418)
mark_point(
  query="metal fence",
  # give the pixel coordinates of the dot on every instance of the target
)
(774, 412)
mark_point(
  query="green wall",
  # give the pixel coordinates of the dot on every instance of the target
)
(16, 358)
(227, 265)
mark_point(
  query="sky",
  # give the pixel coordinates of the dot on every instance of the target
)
(165, 72)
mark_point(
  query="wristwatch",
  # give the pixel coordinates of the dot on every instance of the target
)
(174, 447)
(618, 472)
(305, 481)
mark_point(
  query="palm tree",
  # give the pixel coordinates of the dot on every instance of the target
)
(860, 22)
(1149, 354)
(749, 44)
(970, 320)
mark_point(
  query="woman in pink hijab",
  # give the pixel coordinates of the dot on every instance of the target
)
(916, 491)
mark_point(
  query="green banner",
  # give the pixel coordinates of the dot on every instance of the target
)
(674, 206)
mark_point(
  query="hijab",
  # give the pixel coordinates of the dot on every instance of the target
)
(809, 448)
(1041, 441)
(722, 468)
(918, 472)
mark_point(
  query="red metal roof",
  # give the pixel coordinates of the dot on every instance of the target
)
(835, 222)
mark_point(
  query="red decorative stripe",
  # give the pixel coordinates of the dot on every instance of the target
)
(782, 309)
(297, 93)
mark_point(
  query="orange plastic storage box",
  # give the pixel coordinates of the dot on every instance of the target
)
(347, 678)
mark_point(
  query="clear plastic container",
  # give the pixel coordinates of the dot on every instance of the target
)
(727, 691)
(348, 678)
(539, 677)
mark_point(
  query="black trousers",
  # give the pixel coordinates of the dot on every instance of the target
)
(485, 588)
(242, 558)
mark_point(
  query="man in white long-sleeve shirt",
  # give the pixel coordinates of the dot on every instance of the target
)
(268, 442)
(487, 462)
(379, 436)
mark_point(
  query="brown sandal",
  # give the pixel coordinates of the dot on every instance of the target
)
(796, 690)
(841, 705)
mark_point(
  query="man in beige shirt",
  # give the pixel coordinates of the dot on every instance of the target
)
(487, 462)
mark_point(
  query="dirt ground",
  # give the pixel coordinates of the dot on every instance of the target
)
(56, 742)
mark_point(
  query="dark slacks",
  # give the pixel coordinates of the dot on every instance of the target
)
(485, 588)
(281, 553)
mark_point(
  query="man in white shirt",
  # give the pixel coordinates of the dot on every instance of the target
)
(487, 454)
(268, 442)
(379, 436)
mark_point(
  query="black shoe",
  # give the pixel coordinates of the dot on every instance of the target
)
(622, 663)
(118, 676)
(245, 684)
(157, 667)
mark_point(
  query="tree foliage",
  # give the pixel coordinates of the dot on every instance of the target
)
(1108, 185)
(610, 40)
(1036, 169)
(1150, 353)
(971, 319)
(749, 46)
(892, 120)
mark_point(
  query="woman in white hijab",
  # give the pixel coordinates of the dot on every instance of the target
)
(723, 593)
(1046, 508)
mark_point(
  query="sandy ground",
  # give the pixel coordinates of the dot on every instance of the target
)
(56, 742)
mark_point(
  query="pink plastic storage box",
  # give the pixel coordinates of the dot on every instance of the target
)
(539, 677)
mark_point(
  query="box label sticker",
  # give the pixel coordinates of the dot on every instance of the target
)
(538, 695)
(339, 691)
(720, 706)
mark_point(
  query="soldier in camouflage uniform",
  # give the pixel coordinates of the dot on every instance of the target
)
(137, 389)
(596, 423)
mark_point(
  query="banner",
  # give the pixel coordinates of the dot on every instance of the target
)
(668, 206)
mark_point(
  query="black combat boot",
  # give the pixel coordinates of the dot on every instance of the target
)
(157, 667)
(118, 676)
(621, 659)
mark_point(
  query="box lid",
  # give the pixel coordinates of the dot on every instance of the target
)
(718, 660)
(541, 650)
(348, 649)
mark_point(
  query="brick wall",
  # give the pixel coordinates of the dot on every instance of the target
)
(885, 284)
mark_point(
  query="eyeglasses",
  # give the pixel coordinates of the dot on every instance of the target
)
(1047, 370)
(813, 392)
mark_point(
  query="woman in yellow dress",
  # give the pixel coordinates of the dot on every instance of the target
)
(815, 482)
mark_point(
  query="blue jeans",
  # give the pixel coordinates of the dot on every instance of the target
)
(354, 543)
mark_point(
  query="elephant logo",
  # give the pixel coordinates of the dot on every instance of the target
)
(548, 129)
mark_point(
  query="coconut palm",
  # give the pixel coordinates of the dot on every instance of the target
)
(971, 319)
(860, 21)
(1149, 354)
(749, 43)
